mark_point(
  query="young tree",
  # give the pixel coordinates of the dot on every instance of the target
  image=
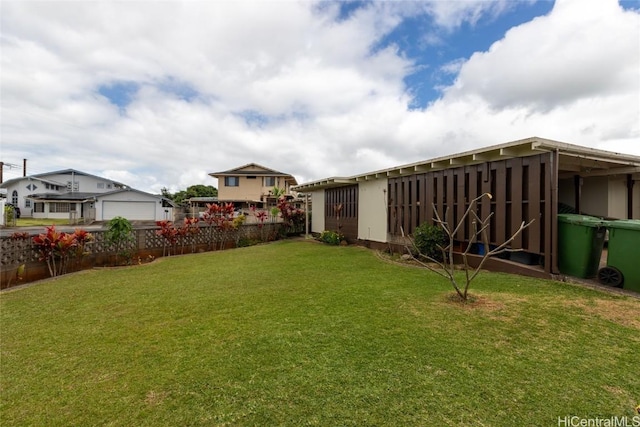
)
(120, 234)
(446, 267)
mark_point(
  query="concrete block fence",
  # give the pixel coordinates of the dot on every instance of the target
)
(145, 246)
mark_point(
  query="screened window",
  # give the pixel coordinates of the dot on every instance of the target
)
(38, 207)
(101, 185)
(231, 181)
(27, 203)
(61, 207)
(269, 181)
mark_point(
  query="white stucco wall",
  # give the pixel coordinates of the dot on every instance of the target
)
(372, 210)
(595, 196)
(603, 196)
(617, 200)
(317, 211)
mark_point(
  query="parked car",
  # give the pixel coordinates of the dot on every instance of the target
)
(15, 209)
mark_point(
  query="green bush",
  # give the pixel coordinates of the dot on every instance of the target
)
(120, 234)
(331, 237)
(427, 238)
(243, 242)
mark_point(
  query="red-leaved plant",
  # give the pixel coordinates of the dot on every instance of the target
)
(56, 248)
(292, 217)
(170, 235)
(220, 218)
(261, 216)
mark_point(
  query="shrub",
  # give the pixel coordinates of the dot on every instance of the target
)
(331, 237)
(428, 238)
(120, 234)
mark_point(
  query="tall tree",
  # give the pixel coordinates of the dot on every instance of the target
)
(197, 190)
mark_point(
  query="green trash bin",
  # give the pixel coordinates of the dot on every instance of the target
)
(580, 242)
(623, 256)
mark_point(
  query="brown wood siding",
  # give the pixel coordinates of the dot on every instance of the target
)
(522, 189)
(347, 222)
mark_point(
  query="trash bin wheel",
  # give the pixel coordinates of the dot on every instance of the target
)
(610, 276)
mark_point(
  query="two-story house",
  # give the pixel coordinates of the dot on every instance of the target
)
(79, 195)
(252, 185)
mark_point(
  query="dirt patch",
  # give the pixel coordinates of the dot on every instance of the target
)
(622, 312)
(155, 398)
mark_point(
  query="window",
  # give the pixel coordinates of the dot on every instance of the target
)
(59, 207)
(231, 181)
(14, 198)
(269, 181)
(101, 185)
(76, 186)
(38, 207)
(27, 203)
(47, 186)
(251, 177)
(109, 186)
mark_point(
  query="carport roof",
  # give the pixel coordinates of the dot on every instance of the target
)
(574, 160)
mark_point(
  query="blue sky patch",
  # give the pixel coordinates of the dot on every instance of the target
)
(119, 93)
(419, 39)
(178, 88)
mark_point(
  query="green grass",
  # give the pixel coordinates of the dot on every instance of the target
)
(45, 222)
(298, 333)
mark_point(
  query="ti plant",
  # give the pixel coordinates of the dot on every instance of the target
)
(56, 248)
(169, 234)
(478, 235)
(189, 230)
(261, 217)
(219, 218)
(292, 217)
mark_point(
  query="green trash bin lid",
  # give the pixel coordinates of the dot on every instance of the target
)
(627, 224)
(584, 220)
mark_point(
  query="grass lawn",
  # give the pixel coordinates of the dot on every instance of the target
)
(298, 333)
(45, 222)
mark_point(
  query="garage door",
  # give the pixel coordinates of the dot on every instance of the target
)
(129, 210)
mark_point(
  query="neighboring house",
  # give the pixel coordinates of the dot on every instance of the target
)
(529, 179)
(78, 195)
(252, 185)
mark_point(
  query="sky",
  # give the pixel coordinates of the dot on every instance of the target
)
(158, 94)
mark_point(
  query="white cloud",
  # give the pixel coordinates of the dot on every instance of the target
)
(558, 59)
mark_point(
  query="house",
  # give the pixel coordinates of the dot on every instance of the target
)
(78, 196)
(252, 185)
(532, 178)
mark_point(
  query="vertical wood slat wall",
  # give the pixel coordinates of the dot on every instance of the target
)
(348, 197)
(522, 189)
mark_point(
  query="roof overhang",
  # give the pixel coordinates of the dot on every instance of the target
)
(574, 160)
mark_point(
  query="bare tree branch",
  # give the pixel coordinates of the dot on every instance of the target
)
(478, 235)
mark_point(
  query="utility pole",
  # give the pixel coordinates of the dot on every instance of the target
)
(9, 165)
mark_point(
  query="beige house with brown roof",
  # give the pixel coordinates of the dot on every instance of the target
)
(252, 185)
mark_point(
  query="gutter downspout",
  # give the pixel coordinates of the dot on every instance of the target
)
(555, 158)
(630, 196)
